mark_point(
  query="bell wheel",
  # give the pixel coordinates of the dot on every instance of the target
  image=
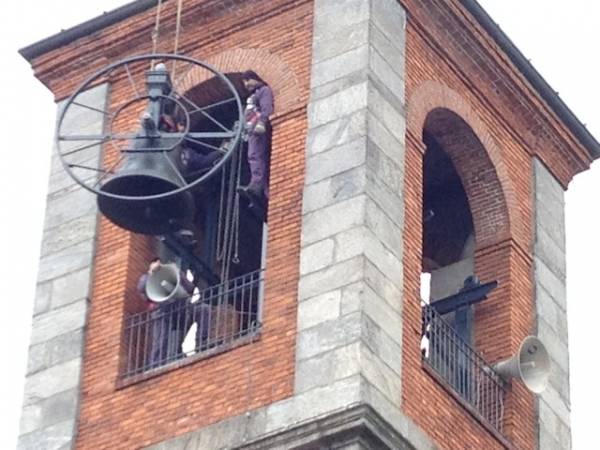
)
(152, 129)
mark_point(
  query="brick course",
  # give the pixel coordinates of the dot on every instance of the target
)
(468, 75)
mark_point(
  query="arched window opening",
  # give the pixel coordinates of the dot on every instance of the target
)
(213, 267)
(452, 185)
(448, 232)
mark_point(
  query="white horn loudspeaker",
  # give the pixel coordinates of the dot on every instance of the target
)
(531, 365)
(166, 284)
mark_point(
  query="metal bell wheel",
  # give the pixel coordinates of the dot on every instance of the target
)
(137, 165)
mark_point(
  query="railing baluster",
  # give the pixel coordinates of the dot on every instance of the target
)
(463, 369)
(222, 314)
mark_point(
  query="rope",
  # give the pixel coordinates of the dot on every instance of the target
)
(177, 30)
(156, 31)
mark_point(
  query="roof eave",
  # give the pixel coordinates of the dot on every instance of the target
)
(533, 76)
(88, 27)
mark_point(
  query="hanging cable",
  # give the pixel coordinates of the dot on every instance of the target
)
(177, 30)
(156, 31)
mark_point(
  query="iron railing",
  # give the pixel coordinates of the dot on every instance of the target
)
(462, 369)
(209, 321)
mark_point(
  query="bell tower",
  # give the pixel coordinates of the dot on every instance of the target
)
(315, 224)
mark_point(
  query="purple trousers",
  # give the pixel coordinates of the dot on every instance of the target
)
(258, 158)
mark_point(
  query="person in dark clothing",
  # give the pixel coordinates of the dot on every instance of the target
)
(259, 107)
(168, 321)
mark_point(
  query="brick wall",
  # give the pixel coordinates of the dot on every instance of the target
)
(469, 77)
(247, 377)
(451, 63)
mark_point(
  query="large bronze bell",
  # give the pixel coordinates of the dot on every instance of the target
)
(147, 174)
(151, 169)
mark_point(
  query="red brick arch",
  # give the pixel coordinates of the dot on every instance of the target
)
(270, 67)
(476, 156)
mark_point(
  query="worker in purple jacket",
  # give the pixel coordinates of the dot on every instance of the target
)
(259, 106)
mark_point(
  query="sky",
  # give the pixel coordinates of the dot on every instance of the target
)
(560, 37)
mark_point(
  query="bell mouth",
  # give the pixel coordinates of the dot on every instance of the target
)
(146, 216)
(138, 186)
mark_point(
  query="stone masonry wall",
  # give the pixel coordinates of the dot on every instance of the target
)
(341, 313)
(551, 307)
(53, 381)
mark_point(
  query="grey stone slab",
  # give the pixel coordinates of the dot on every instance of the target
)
(557, 349)
(361, 241)
(334, 16)
(392, 413)
(386, 74)
(328, 336)
(355, 77)
(331, 220)
(68, 234)
(383, 197)
(385, 229)
(552, 429)
(317, 310)
(391, 48)
(551, 399)
(549, 311)
(334, 134)
(54, 437)
(79, 118)
(43, 294)
(330, 45)
(71, 287)
(69, 205)
(58, 321)
(547, 441)
(546, 186)
(59, 349)
(71, 259)
(383, 315)
(331, 278)
(31, 418)
(58, 408)
(37, 359)
(314, 403)
(384, 140)
(559, 380)
(390, 18)
(391, 113)
(64, 347)
(326, 368)
(316, 256)
(377, 372)
(47, 383)
(60, 180)
(227, 434)
(381, 344)
(352, 295)
(351, 243)
(390, 291)
(77, 152)
(550, 282)
(339, 66)
(550, 253)
(334, 189)
(338, 105)
(336, 160)
(550, 218)
(390, 172)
